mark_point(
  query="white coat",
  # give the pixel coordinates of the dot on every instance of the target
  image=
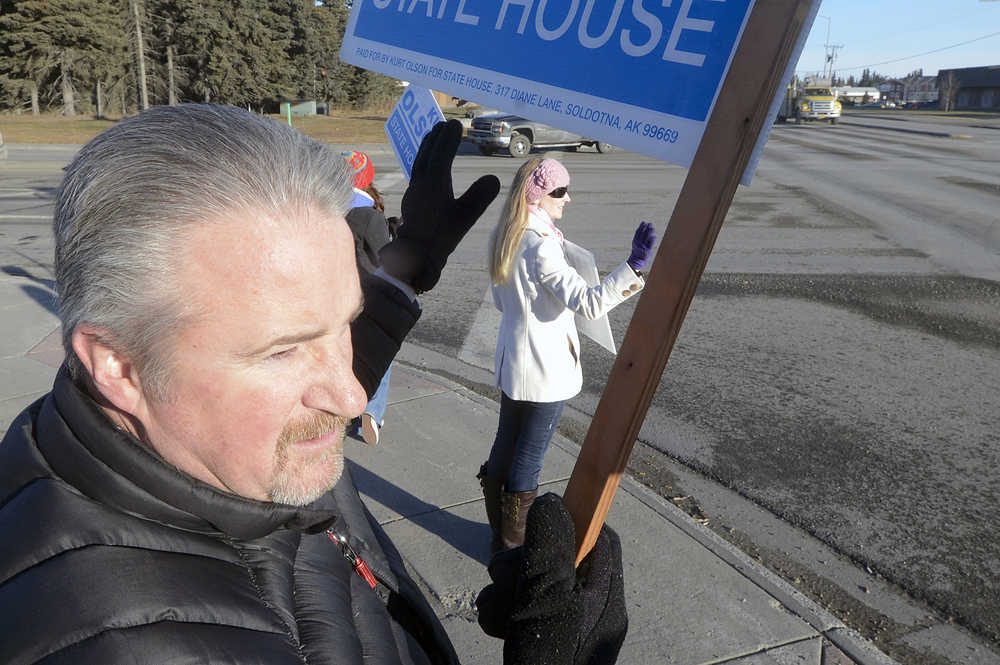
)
(538, 349)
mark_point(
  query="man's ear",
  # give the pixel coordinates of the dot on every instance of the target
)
(112, 373)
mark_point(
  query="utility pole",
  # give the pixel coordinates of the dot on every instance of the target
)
(140, 57)
(831, 53)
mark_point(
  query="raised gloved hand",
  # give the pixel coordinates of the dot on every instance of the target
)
(435, 220)
(642, 246)
(545, 610)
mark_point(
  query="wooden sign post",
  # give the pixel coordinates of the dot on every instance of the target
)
(742, 108)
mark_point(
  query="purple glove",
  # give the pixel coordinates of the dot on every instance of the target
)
(642, 246)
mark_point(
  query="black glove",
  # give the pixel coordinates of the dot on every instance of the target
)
(546, 611)
(435, 220)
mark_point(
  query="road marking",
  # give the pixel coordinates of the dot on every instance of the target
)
(479, 346)
(2, 216)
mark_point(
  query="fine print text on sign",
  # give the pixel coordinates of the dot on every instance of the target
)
(640, 74)
(413, 116)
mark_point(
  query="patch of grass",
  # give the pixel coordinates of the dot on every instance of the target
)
(363, 126)
(351, 127)
(341, 126)
(51, 128)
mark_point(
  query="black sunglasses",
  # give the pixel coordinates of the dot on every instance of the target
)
(559, 192)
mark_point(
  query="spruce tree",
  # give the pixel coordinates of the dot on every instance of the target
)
(54, 45)
(243, 52)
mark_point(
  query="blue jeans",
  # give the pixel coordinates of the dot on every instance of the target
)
(376, 405)
(523, 436)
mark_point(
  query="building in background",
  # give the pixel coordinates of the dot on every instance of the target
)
(914, 90)
(920, 90)
(969, 88)
(857, 95)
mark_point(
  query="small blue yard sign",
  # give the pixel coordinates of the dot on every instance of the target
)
(414, 115)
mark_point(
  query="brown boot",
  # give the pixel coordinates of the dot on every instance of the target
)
(492, 488)
(514, 506)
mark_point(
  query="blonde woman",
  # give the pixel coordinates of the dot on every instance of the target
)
(537, 360)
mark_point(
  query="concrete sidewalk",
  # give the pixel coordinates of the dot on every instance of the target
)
(692, 597)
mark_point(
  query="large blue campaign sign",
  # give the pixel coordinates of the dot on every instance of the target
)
(640, 74)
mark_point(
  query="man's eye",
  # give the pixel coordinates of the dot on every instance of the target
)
(284, 353)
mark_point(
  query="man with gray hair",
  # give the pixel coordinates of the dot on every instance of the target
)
(180, 495)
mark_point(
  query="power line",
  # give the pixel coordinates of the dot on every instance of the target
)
(910, 57)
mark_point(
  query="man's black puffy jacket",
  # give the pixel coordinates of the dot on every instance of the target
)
(110, 555)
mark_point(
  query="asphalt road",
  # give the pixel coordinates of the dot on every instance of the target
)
(840, 363)
(839, 366)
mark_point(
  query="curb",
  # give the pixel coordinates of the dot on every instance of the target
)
(925, 132)
(43, 147)
(370, 148)
(852, 643)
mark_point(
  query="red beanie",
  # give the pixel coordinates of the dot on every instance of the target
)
(362, 168)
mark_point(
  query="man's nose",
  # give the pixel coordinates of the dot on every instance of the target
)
(333, 387)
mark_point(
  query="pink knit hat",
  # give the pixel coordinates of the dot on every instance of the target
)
(548, 175)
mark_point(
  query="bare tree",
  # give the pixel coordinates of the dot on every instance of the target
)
(947, 90)
(66, 78)
(33, 92)
(171, 84)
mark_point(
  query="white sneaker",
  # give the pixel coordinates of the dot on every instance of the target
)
(369, 429)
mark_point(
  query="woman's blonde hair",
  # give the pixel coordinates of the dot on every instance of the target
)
(506, 236)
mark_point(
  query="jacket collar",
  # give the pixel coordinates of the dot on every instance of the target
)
(109, 465)
(541, 223)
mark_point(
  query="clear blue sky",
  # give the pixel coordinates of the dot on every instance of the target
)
(877, 31)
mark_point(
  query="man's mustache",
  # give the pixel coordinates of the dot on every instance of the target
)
(310, 428)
